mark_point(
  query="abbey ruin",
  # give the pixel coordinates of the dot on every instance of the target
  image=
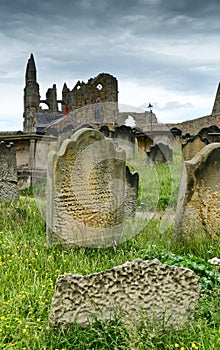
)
(94, 103)
(48, 121)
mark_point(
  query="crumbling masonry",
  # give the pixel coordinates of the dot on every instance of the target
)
(94, 103)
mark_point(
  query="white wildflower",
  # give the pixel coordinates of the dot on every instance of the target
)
(214, 261)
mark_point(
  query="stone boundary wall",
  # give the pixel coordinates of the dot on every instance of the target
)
(195, 125)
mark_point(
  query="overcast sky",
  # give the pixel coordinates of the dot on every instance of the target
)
(166, 52)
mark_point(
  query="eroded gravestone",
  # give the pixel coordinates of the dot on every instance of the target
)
(193, 146)
(131, 193)
(8, 172)
(159, 153)
(198, 209)
(86, 191)
(164, 294)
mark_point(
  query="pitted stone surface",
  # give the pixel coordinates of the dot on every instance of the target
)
(8, 172)
(162, 293)
(198, 209)
(193, 146)
(86, 191)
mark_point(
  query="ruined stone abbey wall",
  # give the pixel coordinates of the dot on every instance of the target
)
(195, 125)
(96, 103)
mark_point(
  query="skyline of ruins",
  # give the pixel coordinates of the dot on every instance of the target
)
(70, 99)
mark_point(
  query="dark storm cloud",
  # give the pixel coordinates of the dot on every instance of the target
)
(189, 7)
(155, 17)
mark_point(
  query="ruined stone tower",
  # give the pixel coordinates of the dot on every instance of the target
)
(31, 94)
(32, 98)
(216, 107)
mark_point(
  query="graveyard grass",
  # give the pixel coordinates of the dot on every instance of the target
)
(29, 269)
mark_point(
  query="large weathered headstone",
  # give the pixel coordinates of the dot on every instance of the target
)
(159, 153)
(125, 138)
(8, 172)
(164, 294)
(198, 209)
(193, 146)
(86, 191)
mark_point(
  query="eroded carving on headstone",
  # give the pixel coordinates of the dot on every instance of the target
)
(164, 294)
(8, 172)
(86, 191)
(198, 209)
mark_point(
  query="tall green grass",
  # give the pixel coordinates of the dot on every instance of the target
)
(29, 270)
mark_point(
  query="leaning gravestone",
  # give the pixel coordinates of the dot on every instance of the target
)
(198, 208)
(8, 172)
(86, 192)
(164, 294)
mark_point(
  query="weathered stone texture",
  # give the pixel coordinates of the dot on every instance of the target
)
(125, 139)
(99, 94)
(193, 126)
(198, 209)
(86, 191)
(104, 87)
(95, 114)
(123, 136)
(131, 193)
(193, 146)
(164, 294)
(94, 102)
(211, 133)
(31, 94)
(8, 172)
(159, 154)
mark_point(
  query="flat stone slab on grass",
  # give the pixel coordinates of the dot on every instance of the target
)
(164, 294)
